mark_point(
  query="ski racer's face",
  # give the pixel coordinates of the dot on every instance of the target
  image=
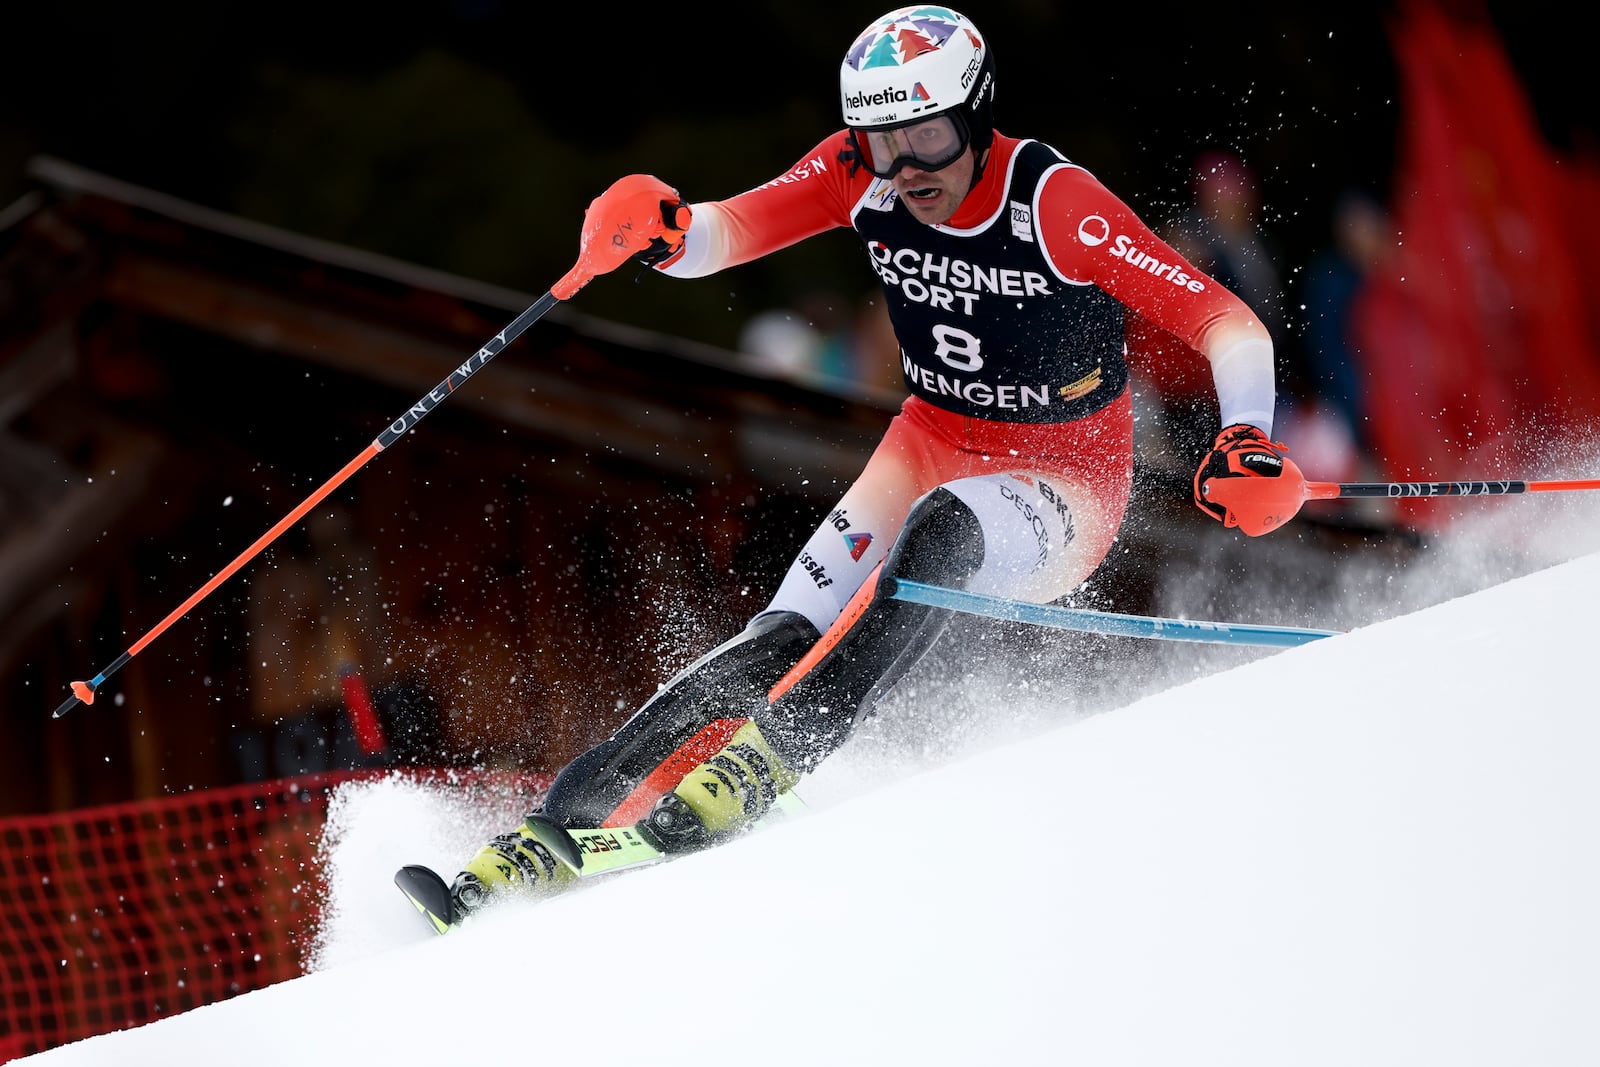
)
(932, 196)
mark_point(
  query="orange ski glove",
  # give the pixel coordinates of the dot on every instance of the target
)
(639, 215)
(1248, 481)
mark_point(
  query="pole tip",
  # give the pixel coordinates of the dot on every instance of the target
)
(82, 693)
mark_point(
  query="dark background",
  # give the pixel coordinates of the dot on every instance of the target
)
(469, 136)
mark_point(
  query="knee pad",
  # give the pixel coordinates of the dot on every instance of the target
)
(1022, 538)
(941, 542)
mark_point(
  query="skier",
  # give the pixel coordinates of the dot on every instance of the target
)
(1007, 270)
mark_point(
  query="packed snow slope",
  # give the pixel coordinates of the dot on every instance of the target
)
(1379, 848)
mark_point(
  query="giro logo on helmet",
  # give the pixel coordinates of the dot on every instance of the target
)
(973, 66)
(983, 90)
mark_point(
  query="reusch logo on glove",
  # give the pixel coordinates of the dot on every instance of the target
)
(1263, 460)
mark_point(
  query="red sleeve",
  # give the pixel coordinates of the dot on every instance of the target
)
(814, 195)
(1092, 236)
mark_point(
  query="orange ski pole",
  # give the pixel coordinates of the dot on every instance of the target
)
(631, 217)
(83, 692)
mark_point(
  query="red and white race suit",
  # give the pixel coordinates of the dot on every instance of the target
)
(1010, 321)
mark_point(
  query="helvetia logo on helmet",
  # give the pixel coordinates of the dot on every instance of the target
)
(878, 99)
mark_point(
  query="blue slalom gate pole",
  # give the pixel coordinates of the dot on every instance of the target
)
(1105, 622)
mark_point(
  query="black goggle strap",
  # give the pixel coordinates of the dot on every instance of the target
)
(852, 156)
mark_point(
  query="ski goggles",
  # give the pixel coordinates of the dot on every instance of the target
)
(931, 144)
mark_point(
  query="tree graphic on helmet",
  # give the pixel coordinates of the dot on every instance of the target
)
(903, 35)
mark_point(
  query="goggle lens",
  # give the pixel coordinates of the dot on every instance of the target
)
(932, 144)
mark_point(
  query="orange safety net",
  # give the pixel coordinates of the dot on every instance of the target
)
(120, 915)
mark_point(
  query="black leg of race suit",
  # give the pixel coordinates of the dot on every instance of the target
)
(942, 544)
(731, 681)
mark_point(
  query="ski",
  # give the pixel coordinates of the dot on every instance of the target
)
(588, 852)
(428, 894)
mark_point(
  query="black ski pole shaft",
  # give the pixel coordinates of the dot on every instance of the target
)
(1491, 487)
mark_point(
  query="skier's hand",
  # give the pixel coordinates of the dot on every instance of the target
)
(1248, 481)
(639, 215)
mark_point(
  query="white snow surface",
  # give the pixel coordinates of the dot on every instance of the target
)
(1379, 848)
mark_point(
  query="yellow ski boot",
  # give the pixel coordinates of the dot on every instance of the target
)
(720, 797)
(519, 862)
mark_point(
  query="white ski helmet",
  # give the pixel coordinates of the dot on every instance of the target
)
(907, 67)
